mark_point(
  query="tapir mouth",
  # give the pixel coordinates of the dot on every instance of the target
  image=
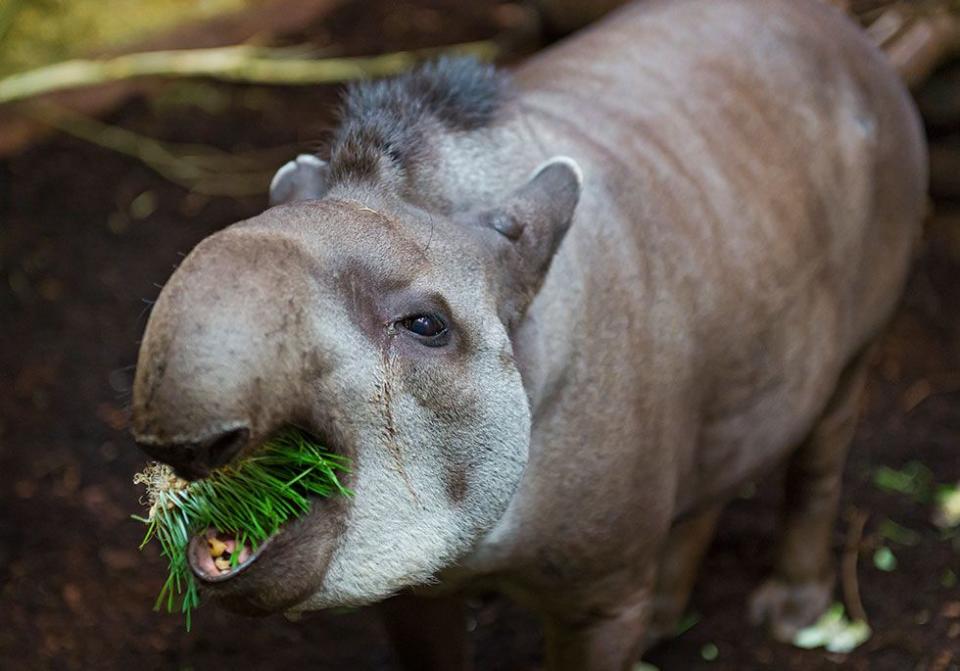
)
(281, 572)
(260, 580)
(211, 554)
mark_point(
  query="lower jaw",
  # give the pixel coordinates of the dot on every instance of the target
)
(274, 579)
(287, 570)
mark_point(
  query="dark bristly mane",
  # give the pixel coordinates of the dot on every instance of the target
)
(389, 120)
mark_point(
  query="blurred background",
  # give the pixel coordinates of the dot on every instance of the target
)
(107, 178)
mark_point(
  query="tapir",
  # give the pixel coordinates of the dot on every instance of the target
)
(555, 318)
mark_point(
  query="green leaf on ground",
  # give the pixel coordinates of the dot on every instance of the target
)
(834, 632)
(914, 480)
(897, 533)
(884, 559)
(709, 652)
(687, 622)
(947, 513)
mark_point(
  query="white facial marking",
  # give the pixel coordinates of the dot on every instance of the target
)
(395, 539)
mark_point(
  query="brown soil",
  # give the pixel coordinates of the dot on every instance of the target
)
(79, 264)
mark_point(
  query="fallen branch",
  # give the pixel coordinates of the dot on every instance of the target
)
(264, 22)
(242, 63)
(917, 37)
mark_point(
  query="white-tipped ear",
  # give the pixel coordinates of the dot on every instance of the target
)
(565, 160)
(303, 178)
(533, 222)
(538, 214)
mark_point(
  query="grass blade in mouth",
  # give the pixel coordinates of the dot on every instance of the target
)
(249, 500)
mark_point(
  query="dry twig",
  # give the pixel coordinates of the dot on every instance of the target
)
(200, 168)
(856, 520)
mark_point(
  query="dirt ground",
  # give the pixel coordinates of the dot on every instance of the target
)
(87, 237)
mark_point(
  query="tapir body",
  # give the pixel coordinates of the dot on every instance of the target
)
(551, 373)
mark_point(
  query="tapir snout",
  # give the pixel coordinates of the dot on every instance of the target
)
(222, 363)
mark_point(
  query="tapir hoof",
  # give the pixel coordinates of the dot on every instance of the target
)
(787, 607)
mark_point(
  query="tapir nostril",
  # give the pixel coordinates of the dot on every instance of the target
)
(197, 459)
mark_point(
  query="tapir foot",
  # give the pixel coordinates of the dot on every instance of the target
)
(786, 607)
(801, 586)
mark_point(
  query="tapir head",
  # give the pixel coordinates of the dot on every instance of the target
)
(385, 332)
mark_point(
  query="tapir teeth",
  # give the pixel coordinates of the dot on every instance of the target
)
(215, 561)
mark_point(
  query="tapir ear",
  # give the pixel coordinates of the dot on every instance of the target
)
(534, 221)
(304, 178)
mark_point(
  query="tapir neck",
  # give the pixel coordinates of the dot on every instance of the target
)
(477, 169)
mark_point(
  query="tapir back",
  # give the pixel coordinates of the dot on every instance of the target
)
(756, 180)
(749, 140)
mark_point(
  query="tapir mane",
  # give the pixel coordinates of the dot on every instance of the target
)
(389, 121)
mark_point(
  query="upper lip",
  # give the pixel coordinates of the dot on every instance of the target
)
(196, 458)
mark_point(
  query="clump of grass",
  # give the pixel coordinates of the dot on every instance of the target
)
(250, 500)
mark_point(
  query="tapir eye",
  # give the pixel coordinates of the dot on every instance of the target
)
(429, 327)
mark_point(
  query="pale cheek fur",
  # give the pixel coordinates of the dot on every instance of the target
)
(403, 526)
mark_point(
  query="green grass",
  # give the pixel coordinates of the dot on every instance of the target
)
(250, 500)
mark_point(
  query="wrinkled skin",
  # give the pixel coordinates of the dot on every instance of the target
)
(633, 334)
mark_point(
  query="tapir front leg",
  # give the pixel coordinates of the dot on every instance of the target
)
(680, 559)
(601, 638)
(428, 634)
